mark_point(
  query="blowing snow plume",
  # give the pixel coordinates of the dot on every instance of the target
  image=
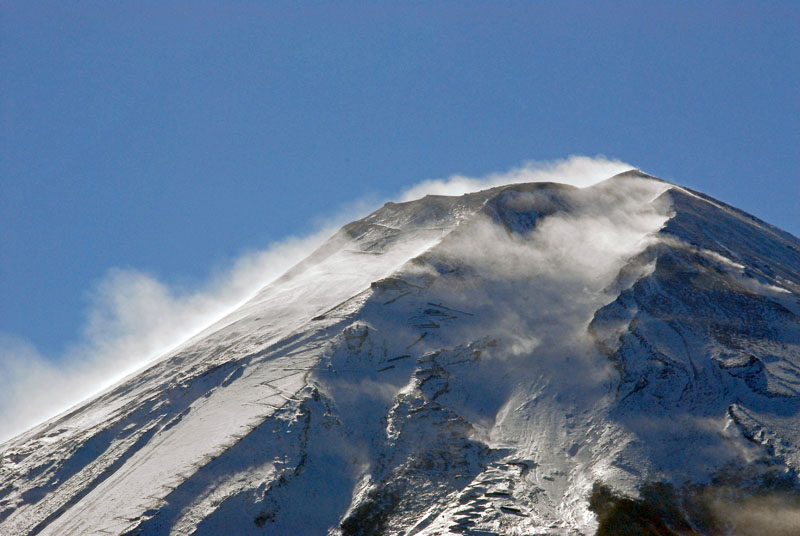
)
(134, 317)
(580, 171)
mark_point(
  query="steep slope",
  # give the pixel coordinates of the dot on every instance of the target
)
(530, 359)
(170, 420)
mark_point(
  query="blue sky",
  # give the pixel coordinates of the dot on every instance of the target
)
(170, 138)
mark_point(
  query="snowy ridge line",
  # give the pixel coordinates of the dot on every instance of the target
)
(530, 359)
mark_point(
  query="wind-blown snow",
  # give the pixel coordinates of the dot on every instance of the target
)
(580, 171)
(134, 317)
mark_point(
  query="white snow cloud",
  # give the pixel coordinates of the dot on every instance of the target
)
(134, 317)
(580, 171)
(537, 290)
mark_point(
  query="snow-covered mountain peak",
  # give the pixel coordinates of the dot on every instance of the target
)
(528, 359)
(635, 174)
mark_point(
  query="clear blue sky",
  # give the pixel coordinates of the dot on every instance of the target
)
(171, 136)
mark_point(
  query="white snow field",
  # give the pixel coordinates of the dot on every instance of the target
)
(528, 359)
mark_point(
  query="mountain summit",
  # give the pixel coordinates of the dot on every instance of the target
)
(528, 359)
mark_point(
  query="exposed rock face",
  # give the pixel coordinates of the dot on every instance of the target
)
(530, 359)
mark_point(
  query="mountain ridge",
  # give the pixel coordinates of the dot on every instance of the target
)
(524, 359)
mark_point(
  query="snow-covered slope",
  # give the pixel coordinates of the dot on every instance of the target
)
(529, 359)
